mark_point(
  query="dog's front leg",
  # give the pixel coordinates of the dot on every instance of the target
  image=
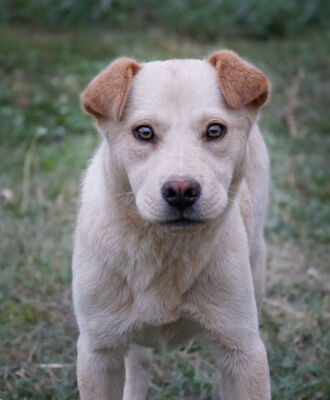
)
(226, 308)
(137, 366)
(244, 373)
(100, 373)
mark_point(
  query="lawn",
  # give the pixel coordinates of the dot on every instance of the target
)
(45, 144)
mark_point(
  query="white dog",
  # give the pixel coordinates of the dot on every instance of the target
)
(169, 240)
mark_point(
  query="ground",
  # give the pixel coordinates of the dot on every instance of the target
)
(45, 143)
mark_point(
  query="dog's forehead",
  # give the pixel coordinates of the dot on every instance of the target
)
(177, 83)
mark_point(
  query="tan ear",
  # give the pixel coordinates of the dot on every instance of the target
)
(242, 83)
(104, 97)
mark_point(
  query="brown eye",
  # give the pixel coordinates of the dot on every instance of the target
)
(144, 132)
(215, 131)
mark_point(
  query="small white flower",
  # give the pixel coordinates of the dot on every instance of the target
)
(41, 132)
(313, 273)
(7, 194)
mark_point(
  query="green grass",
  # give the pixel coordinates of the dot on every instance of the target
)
(45, 142)
(197, 18)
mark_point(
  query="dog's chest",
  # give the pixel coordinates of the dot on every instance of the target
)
(160, 298)
(160, 284)
(150, 287)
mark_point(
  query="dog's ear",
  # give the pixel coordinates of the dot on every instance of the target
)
(104, 98)
(242, 83)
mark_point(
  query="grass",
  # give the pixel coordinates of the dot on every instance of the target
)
(45, 142)
(196, 18)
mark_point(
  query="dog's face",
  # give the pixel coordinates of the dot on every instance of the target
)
(178, 131)
(178, 142)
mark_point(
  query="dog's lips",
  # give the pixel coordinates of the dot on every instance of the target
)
(182, 218)
(182, 222)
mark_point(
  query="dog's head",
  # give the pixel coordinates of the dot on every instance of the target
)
(178, 131)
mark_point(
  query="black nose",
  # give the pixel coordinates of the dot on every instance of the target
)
(181, 193)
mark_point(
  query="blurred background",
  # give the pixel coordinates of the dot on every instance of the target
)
(49, 50)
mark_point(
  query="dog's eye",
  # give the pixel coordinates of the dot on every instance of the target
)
(215, 131)
(143, 132)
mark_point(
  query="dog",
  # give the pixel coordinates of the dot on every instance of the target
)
(169, 238)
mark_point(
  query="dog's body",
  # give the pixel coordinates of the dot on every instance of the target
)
(169, 241)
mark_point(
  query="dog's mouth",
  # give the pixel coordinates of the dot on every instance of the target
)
(183, 218)
(182, 222)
